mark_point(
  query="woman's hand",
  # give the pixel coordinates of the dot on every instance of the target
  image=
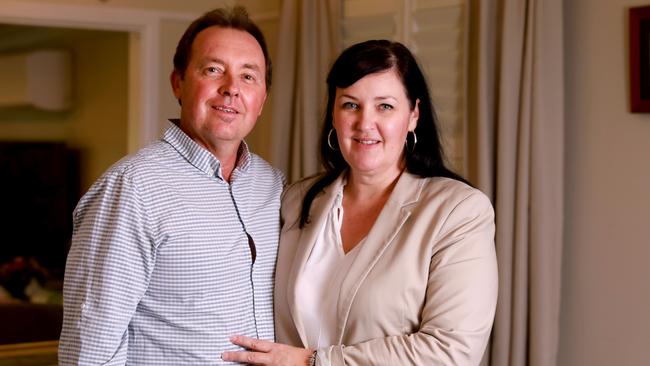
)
(261, 352)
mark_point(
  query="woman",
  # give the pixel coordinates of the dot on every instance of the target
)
(388, 257)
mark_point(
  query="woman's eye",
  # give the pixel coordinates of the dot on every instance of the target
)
(350, 105)
(385, 107)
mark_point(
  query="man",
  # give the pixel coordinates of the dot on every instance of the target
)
(174, 247)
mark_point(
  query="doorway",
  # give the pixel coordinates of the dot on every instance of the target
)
(48, 159)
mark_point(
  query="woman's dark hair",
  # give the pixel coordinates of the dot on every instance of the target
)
(427, 157)
(235, 18)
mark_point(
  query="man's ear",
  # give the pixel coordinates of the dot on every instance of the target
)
(263, 103)
(176, 80)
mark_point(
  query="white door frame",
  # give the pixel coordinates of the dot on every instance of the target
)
(143, 27)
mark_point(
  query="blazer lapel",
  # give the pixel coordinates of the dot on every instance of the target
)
(389, 222)
(307, 238)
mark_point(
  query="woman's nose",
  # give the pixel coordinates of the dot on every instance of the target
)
(367, 119)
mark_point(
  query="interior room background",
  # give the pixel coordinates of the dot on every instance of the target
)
(121, 98)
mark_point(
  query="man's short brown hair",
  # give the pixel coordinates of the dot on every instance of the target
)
(235, 18)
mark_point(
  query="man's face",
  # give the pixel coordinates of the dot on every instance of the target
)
(223, 89)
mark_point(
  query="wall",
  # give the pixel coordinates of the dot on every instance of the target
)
(96, 123)
(606, 276)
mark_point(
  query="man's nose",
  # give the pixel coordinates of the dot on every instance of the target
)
(230, 86)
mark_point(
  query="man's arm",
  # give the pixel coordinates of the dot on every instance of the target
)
(108, 268)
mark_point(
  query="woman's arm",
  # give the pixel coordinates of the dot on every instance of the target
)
(263, 352)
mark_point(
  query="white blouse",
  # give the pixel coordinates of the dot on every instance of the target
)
(318, 286)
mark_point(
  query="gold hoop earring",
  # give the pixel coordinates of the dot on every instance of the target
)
(329, 136)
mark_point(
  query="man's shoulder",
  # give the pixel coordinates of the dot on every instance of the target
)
(152, 156)
(147, 163)
(262, 169)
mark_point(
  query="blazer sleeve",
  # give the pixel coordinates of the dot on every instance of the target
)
(460, 299)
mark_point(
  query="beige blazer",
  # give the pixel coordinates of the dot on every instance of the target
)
(423, 288)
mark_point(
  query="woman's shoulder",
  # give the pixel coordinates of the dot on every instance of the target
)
(293, 196)
(453, 192)
(297, 190)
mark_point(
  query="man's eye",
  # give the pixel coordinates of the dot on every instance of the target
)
(212, 70)
(249, 77)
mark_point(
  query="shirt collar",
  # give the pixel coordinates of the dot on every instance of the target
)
(338, 201)
(198, 156)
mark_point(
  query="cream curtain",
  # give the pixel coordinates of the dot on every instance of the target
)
(308, 43)
(516, 141)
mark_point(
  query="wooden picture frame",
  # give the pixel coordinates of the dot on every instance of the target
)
(639, 28)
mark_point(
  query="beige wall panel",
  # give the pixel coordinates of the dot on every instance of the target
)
(606, 275)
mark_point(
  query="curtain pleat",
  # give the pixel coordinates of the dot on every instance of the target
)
(308, 41)
(516, 140)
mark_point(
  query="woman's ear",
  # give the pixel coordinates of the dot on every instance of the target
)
(414, 115)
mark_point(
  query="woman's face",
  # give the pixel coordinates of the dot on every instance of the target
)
(372, 118)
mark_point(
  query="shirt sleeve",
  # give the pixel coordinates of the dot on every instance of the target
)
(460, 300)
(108, 268)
